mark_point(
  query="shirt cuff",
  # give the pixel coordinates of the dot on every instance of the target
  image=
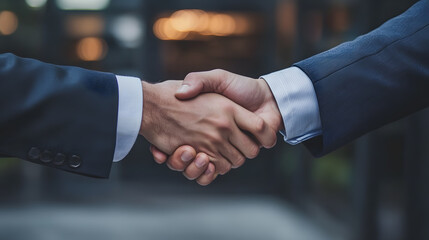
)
(297, 102)
(130, 109)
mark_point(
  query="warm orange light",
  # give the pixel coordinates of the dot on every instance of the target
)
(158, 28)
(222, 25)
(198, 22)
(91, 49)
(203, 21)
(190, 20)
(164, 30)
(8, 22)
(184, 20)
(242, 25)
(85, 25)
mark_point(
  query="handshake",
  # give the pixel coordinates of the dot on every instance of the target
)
(209, 123)
(212, 121)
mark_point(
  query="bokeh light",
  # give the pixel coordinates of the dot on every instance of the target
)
(164, 30)
(36, 3)
(185, 20)
(128, 30)
(80, 25)
(222, 25)
(8, 22)
(188, 23)
(83, 4)
(91, 49)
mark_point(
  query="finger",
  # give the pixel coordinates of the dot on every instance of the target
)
(214, 81)
(181, 158)
(256, 126)
(197, 167)
(158, 156)
(234, 156)
(245, 144)
(208, 176)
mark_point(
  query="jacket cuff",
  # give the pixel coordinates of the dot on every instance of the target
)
(297, 102)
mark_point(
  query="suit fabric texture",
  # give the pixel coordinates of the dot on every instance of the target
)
(378, 78)
(63, 117)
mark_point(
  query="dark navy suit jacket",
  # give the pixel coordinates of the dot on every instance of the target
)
(63, 117)
(376, 79)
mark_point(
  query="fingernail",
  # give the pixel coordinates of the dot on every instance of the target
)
(200, 162)
(184, 88)
(186, 156)
(208, 171)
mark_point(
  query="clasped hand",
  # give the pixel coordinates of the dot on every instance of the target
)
(209, 123)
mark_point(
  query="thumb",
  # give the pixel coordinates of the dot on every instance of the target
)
(158, 156)
(202, 82)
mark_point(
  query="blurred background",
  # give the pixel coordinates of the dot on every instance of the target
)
(374, 188)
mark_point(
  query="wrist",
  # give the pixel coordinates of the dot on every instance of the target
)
(277, 115)
(271, 103)
(149, 97)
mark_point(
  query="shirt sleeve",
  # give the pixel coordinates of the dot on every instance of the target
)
(297, 102)
(130, 110)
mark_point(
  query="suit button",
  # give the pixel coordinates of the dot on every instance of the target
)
(75, 161)
(59, 159)
(34, 154)
(46, 157)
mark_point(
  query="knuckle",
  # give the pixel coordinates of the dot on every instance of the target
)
(170, 166)
(203, 182)
(191, 76)
(218, 71)
(176, 166)
(259, 124)
(187, 176)
(192, 174)
(224, 124)
(226, 169)
(216, 138)
(239, 162)
(273, 140)
(253, 151)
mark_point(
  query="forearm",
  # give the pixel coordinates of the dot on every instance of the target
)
(376, 79)
(52, 109)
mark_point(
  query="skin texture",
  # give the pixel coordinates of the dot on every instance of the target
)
(252, 94)
(212, 124)
(204, 173)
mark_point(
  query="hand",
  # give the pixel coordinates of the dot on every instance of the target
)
(209, 123)
(200, 169)
(253, 94)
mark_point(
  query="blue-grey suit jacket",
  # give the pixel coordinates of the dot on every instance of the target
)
(376, 79)
(63, 117)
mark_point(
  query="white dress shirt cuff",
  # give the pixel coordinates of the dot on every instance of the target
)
(130, 109)
(297, 102)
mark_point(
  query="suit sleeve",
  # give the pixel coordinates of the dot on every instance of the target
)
(378, 78)
(62, 117)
